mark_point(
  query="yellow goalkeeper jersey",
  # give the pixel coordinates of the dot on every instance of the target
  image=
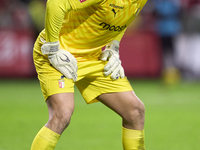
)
(91, 24)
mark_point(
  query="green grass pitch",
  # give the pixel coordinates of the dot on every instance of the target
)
(172, 118)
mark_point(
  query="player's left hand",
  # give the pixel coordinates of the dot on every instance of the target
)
(113, 67)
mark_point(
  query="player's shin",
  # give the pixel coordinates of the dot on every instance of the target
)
(46, 139)
(133, 139)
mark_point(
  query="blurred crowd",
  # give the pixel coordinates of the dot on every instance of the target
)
(177, 23)
(22, 14)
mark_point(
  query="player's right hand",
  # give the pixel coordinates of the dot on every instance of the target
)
(61, 59)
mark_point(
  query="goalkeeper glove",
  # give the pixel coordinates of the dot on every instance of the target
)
(113, 67)
(62, 60)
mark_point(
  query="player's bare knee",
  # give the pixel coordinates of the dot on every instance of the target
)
(135, 112)
(139, 110)
(64, 118)
(61, 119)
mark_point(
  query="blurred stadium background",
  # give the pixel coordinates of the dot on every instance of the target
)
(160, 54)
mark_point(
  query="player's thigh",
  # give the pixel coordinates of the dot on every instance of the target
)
(61, 105)
(123, 103)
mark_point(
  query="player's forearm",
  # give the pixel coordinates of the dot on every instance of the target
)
(55, 13)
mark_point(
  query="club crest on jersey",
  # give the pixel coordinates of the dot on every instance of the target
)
(82, 1)
(61, 82)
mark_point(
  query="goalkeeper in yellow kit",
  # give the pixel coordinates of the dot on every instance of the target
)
(69, 52)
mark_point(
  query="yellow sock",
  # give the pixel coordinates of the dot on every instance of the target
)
(133, 139)
(46, 139)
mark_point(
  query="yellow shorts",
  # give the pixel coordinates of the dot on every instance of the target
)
(91, 82)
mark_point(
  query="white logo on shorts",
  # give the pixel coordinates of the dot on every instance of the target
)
(61, 82)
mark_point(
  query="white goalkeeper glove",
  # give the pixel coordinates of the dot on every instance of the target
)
(113, 67)
(62, 60)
